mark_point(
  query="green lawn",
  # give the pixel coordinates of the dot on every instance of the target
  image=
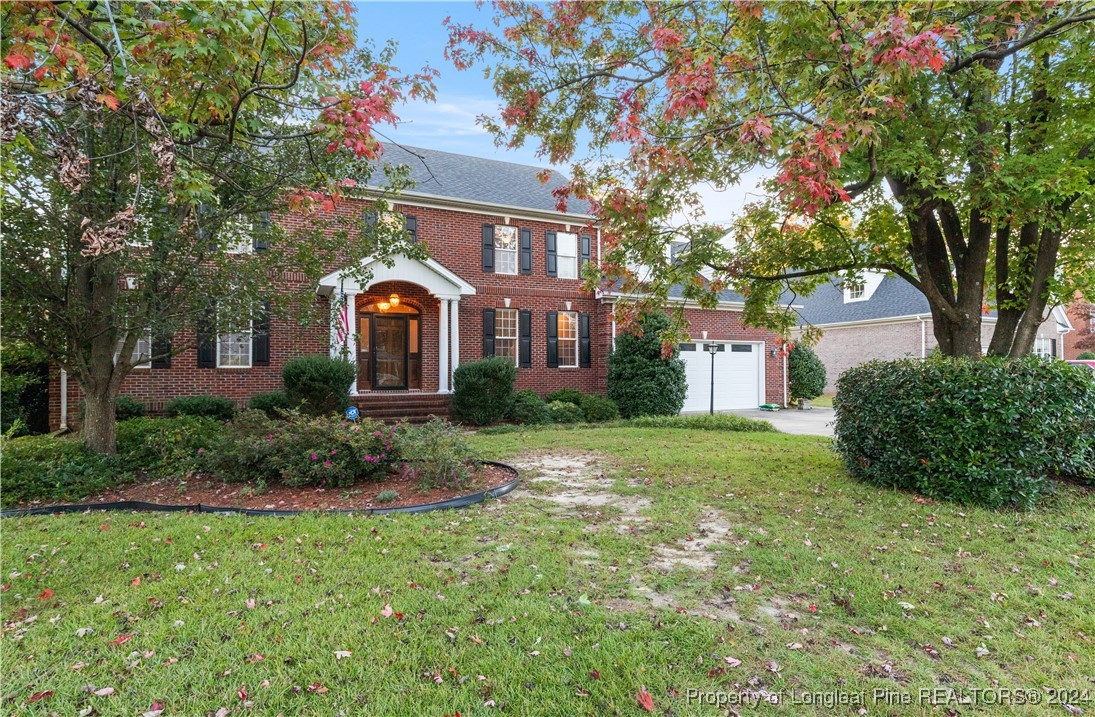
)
(660, 559)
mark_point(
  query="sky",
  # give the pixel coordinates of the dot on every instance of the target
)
(449, 124)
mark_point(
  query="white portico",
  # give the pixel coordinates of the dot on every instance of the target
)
(389, 319)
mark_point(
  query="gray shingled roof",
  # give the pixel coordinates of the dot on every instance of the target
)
(458, 176)
(677, 291)
(893, 297)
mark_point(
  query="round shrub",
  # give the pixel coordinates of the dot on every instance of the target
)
(597, 409)
(1086, 356)
(126, 407)
(567, 395)
(640, 381)
(564, 412)
(320, 385)
(218, 407)
(271, 403)
(483, 390)
(529, 409)
(986, 432)
(805, 373)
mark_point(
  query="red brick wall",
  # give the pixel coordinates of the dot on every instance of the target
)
(1081, 330)
(454, 239)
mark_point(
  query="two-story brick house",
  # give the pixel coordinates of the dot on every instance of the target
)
(502, 279)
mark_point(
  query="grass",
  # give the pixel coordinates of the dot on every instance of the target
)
(825, 401)
(520, 608)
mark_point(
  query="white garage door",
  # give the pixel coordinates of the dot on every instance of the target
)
(737, 375)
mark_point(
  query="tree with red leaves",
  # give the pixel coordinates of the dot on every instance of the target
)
(952, 145)
(145, 146)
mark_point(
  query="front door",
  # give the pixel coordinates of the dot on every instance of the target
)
(389, 352)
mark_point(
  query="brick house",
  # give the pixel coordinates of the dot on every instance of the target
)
(1082, 316)
(887, 318)
(502, 279)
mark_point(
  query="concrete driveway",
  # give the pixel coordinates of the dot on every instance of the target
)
(814, 422)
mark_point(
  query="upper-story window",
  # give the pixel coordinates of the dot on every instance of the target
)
(505, 333)
(237, 233)
(505, 249)
(566, 244)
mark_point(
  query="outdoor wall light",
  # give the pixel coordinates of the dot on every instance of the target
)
(394, 299)
(383, 305)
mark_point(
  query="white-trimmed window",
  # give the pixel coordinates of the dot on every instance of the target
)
(568, 339)
(505, 249)
(566, 253)
(234, 349)
(505, 333)
(142, 350)
(1045, 348)
(237, 235)
(854, 292)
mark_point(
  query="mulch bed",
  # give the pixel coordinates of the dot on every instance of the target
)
(195, 490)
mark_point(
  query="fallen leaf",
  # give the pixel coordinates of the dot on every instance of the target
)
(794, 646)
(645, 700)
(982, 651)
(733, 662)
(155, 710)
(773, 666)
(257, 657)
(317, 688)
(78, 666)
(242, 692)
(135, 582)
(595, 675)
(103, 692)
(386, 611)
(223, 712)
(41, 696)
(341, 654)
(120, 640)
(80, 632)
(46, 594)
(250, 603)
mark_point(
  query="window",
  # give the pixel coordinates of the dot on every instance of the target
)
(234, 349)
(505, 249)
(568, 339)
(688, 347)
(237, 234)
(505, 333)
(142, 350)
(1045, 348)
(854, 292)
(741, 348)
(566, 249)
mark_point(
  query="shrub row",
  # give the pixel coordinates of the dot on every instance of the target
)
(987, 432)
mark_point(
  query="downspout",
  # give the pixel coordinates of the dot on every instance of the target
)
(64, 402)
(785, 378)
(923, 337)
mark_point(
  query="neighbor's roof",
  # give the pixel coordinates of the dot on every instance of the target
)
(894, 297)
(486, 181)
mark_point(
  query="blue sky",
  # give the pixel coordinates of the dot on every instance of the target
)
(449, 123)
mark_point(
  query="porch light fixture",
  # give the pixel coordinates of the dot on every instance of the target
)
(383, 305)
(394, 299)
(506, 302)
(568, 306)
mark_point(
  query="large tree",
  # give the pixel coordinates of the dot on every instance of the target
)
(950, 144)
(145, 147)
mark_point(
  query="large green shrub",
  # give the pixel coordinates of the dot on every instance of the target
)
(528, 409)
(47, 468)
(986, 431)
(319, 385)
(598, 409)
(220, 408)
(805, 373)
(564, 412)
(24, 390)
(483, 390)
(127, 407)
(166, 446)
(438, 455)
(272, 403)
(302, 450)
(640, 381)
(567, 395)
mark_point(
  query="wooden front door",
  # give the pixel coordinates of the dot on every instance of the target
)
(389, 356)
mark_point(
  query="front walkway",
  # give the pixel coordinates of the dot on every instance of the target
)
(815, 422)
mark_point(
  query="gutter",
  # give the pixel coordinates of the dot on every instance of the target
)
(435, 200)
(64, 401)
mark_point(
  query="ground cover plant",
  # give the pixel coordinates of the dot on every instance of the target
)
(634, 561)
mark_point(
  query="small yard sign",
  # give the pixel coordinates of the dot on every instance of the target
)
(352, 413)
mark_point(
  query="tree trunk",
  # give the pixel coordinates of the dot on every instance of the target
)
(99, 419)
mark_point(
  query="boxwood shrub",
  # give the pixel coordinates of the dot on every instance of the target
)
(986, 432)
(598, 409)
(319, 384)
(126, 407)
(567, 395)
(565, 412)
(218, 407)
(271, 403)
(529, 409)
(483, 390)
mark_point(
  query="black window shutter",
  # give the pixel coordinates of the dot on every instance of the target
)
(260, 336)
(488, 248)
(207, 341)
(411, 225)
(526, 251)
(260, 241)
(488, 332)
(586, 251)
(161, 350)
(550, 256)
(205, 230)
(583, 340)
(524, 353)
(553, 339)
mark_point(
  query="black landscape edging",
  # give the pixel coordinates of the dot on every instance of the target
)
(463, 501)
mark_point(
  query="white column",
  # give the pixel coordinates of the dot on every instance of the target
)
(351, 339)
(455, 313)
(443, 348)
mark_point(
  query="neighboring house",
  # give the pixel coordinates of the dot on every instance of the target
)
(502, 279)
(888, 318)
(1082, 316)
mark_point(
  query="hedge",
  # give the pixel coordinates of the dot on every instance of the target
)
(319, 385)
(218, 407)
(979, 431)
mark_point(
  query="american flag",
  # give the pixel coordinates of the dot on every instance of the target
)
(342, 328)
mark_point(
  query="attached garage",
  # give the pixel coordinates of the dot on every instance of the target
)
(738, 375)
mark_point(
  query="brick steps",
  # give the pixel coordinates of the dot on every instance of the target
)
(410, 407)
